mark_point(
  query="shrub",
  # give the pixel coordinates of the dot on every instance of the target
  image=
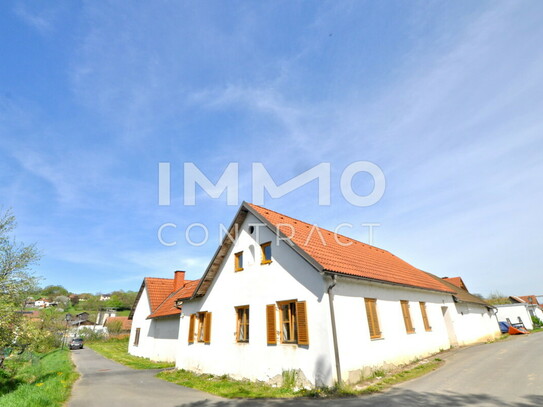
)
(536, 321)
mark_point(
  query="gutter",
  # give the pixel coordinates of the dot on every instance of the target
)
(334, 331)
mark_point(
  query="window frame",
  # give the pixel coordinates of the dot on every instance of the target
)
(291, 321)
(243, 316)
(263, 247)
(373, 318)
(408, 322)
(137, 337)
(200, 333)
(237, 265)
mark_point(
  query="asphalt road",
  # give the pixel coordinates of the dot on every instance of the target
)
(506, 374)
(107, 383)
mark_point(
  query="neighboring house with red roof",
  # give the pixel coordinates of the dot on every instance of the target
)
(281, 294)
(155, 319)
(521, 310)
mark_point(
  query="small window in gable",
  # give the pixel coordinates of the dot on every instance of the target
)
(239, 261)
(266, 252)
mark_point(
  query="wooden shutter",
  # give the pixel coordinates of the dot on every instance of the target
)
(191, 328)
(407, 317)
(207, 328)
(373, 322)
(427, 326)
(270, 324)
(301, 321)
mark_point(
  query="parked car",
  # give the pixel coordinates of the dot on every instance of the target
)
(76, 343)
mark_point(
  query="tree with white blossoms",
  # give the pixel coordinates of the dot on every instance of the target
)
(16, 281)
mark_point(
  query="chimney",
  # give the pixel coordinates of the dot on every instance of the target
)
(178, 280)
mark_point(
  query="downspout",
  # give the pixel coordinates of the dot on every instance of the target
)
(334, 332)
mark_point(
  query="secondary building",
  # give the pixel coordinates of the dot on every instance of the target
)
(155, 319)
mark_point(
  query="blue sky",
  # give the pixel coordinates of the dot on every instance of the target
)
(445, 97)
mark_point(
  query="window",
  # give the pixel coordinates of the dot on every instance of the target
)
(266, 252)
(427, 326)
(203, 333)
(407, 317)
(373, 322)
(242, 328)
(293, 320)
(239, 261)
(137, 337)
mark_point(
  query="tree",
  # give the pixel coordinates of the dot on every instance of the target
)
(16, 280)
(52, 291)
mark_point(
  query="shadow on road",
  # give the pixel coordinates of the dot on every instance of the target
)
(404, 398)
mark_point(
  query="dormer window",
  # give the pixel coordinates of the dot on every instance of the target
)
(266, 252)
(239, 261)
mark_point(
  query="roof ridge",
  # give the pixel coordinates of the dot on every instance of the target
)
(324, 229)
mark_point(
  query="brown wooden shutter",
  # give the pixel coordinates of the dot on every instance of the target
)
(407, 317)
(373, 322)
(270, 324)
(207, 328)
(301, 320)
(427, 326)
(191, 328)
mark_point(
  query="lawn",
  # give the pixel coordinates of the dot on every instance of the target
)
(117, 350)
(37, 380)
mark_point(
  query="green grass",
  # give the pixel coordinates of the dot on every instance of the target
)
(37, 380)
(224, 386)
(403, 376)
(117, 350)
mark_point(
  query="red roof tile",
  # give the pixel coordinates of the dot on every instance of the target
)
(530, 299)
(157, 290)
(457, 281)
(356, 259)
(167, 307)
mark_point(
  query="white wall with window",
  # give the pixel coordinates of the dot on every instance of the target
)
(155, 339)
(270, 316)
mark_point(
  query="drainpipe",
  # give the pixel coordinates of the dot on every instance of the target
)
(334, 332)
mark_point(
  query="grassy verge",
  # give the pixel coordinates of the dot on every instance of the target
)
(37, 380)
(224, 386)
(117, 350)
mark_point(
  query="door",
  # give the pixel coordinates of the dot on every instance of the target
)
(449, 325)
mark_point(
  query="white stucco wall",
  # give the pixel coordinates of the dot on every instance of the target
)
(158, 337)
(287, 277)
(513, 311)
(359, 353)
(475, 323)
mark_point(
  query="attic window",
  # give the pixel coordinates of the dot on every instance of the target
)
(239, 261)
(266, 252)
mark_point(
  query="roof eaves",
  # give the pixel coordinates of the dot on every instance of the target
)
(131, 315)
(373, 280)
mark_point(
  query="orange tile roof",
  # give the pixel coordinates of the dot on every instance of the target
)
(167, 307)
(530, 299)
(457, 281)
(356, 259)
(157, 290)
(126, 323)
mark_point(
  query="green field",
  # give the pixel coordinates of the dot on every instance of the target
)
(37, 380)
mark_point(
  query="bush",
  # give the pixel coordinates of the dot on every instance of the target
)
(536, 321)
(91, 335)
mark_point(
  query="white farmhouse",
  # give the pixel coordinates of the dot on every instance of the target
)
(155, 319)
(281, 294)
